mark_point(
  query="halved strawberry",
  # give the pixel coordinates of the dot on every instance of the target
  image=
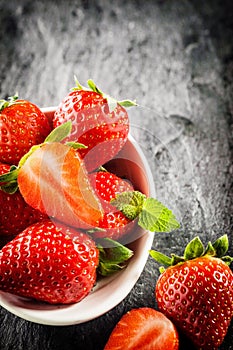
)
(98, 121)
(49, 262)
(53, 179)
(196, 291)
(15, 213)
(22, 125)
(143, 328)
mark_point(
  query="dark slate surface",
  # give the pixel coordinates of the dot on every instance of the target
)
(176, 59)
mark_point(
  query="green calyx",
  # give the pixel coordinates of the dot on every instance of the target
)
(9, 180)
(196, 249)
(112, 102)
(113, 256)
(9, 102)
(152, 215)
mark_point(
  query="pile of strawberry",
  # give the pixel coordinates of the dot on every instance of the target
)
(66, 220)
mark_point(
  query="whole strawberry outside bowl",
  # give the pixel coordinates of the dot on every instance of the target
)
(131, 163)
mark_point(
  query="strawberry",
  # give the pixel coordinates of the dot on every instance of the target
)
(196, 291)
(50, 263)
(15, 213)
(143, 328)
(53, 179)
(114, 223)
(99, 122)
(22, 125)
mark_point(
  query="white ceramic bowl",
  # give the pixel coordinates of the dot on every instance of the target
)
(109, 291)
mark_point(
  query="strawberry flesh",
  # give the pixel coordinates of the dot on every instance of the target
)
(54, 180)
(143, 328)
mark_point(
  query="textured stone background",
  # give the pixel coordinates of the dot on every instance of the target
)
(176, 59)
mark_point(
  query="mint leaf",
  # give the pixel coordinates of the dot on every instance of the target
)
(129, 203)
(156, 217)
(59, 133)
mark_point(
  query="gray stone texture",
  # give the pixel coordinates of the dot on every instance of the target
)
(176, 59)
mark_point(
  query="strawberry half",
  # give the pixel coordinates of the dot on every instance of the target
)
(196, 291)
(22, 125)
(53, 179)
(15, 213)
(143, 328)
(98, 121)
(50, 263)
(114, 223)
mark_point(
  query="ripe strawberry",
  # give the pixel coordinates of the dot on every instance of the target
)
(53, 179)
(99, 122)
(22, 125)
(143, 328)
(49, 262)
(15, 213)
(196, 292)
(114, 222)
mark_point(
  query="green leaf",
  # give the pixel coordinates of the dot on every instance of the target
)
(156, 217)
(221, 246)
(59, 133)
(194, 249)
(9, 177)
(176, 259)
(127, 103)
(210, 250)
(113, 256)
(160, 258)
(7, 103)
(78, 85)
(76, 145)
(93, 87)
(227, 259)
(130, 203)
(10, 188)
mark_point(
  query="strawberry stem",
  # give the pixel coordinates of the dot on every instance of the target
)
(7, 103)
(112, 102)
(195, 249)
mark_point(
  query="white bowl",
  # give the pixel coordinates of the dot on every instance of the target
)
(109, 291)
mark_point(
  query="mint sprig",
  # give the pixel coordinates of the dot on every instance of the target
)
(152, 215)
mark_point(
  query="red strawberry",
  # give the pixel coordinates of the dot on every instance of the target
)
(22, 125)
(197, 294)
(51, 263)
(53, 179)
(114, 222)
(15, 213)
(143, 328)
(101, 125)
